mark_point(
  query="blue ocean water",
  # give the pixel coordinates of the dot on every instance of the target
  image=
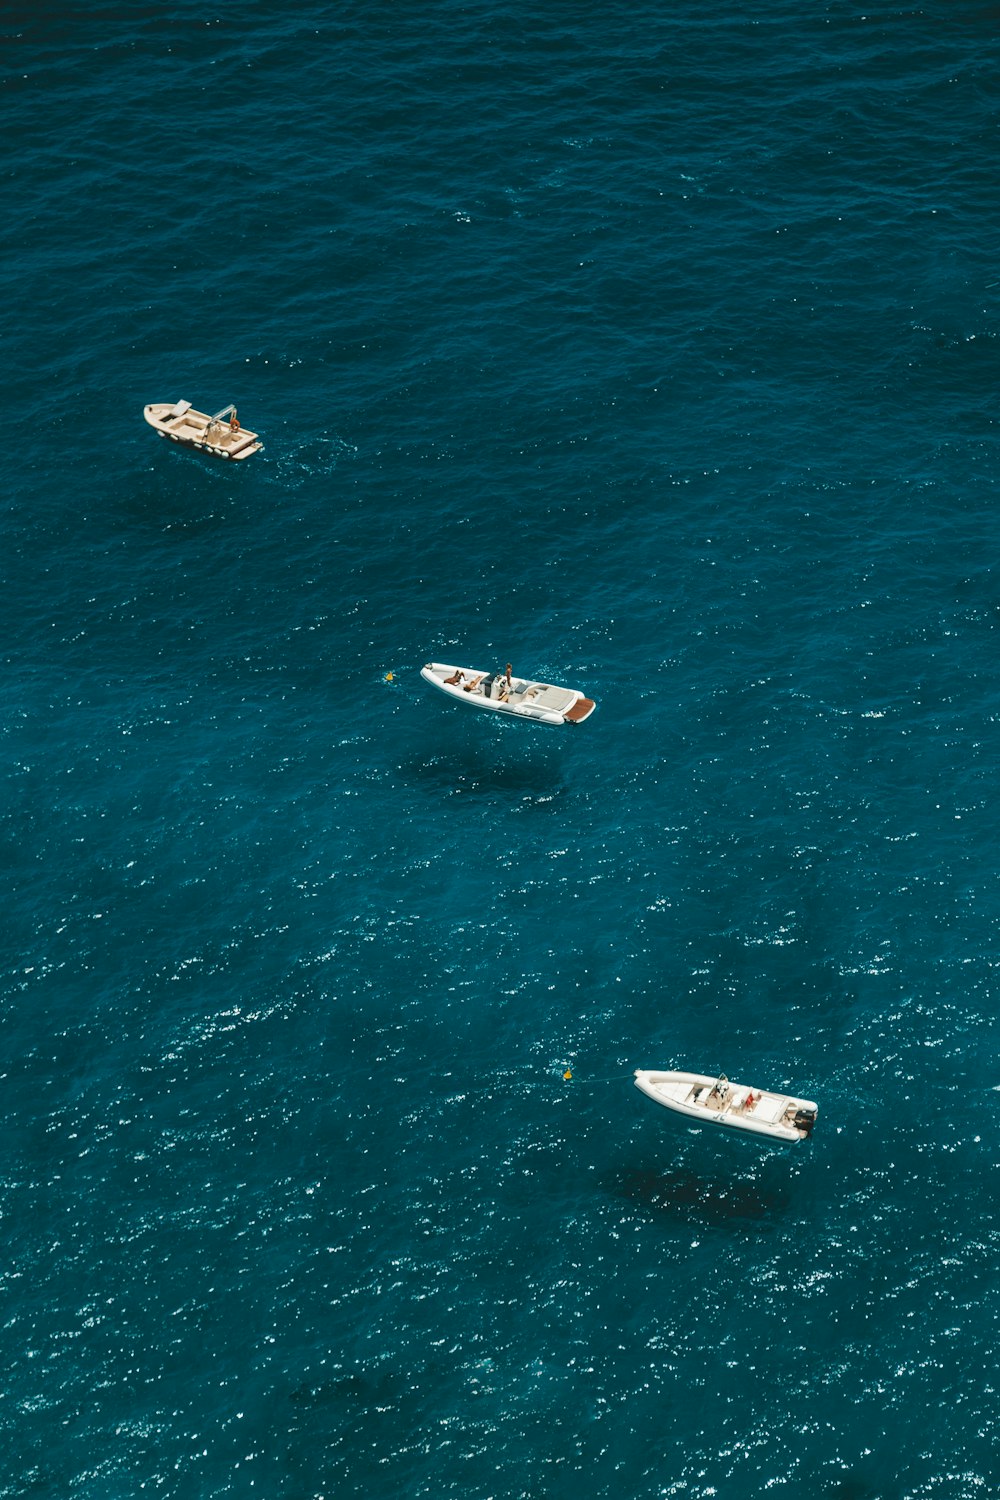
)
(653, 348)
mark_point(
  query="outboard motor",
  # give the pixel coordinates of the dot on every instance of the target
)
(804, 1120)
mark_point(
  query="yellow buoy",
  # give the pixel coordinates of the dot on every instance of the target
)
(567, 1074)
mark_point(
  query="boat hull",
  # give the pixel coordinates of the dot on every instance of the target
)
(697, 1097)
(538, 702)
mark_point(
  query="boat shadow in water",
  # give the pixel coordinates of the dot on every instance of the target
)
(467, 774)
(853, 1489)
(352, 1389)
(681, 1194)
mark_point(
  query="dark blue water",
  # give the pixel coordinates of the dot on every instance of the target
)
(653, 348)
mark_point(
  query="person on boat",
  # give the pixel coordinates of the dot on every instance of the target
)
(505, 686)
(234, 422)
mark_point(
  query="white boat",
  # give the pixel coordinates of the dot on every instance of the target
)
(220, 434)
(715, 1101)
(502, 693)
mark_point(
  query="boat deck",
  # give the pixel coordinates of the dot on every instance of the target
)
(193, 429)
(768, 1108)
(580, 710)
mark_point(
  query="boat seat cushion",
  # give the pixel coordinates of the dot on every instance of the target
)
(553, 697)
(679, 1091)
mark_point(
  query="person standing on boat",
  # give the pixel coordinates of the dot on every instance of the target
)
(234, 422)
(507, 686)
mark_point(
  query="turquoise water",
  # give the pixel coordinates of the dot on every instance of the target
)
(654, 351)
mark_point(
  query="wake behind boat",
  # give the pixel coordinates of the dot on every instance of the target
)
(221, 434)
(715, 1101)
(502, 693)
